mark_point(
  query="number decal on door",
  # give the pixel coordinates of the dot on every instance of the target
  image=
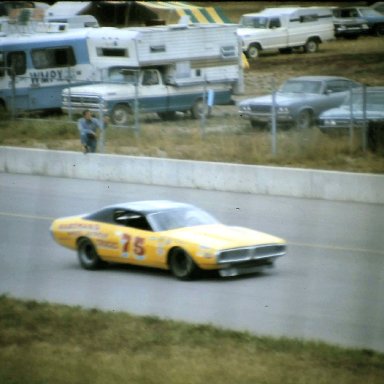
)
(125, 241)
(138, 245)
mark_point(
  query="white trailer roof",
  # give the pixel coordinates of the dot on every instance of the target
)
(286, 11)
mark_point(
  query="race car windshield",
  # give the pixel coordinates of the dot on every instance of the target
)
(179, 218)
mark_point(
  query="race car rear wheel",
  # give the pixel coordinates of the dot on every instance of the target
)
(181, 264)
(88, 257)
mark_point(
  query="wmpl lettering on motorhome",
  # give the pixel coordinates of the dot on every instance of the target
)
(38, 61)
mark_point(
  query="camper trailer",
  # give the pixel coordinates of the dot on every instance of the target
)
(166, 69)
(284, 29)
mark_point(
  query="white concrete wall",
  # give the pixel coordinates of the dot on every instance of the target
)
(358, 187)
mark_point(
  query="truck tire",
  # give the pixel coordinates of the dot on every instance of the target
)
(311, 46)
(198, 109)
(253, 51)
(121, 114)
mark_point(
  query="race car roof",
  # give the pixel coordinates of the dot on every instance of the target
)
(148, 206)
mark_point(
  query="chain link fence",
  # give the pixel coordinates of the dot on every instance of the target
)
(225, 120)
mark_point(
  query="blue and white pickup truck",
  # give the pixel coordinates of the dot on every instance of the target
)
(153, 94)
(162, 69)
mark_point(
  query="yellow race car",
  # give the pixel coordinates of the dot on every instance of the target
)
(167, 235)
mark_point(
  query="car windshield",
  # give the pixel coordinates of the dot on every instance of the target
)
(254, 22)
(179, 218)
(301, 86)
(121, 75)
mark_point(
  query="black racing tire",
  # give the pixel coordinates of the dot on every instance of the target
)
(121, 115)
(198, 109)
(181, 265)
(88, 257)
(304, 120)
(311, 46)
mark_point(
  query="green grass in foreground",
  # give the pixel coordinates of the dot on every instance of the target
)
(43, 343)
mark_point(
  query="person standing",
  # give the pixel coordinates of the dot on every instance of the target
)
(88, 127)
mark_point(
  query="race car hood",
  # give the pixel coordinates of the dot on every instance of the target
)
(220, 237)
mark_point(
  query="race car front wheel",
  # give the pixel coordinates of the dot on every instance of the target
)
(88, 257)
(181, 264)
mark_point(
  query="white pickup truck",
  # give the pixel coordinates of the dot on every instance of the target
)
(285, 29)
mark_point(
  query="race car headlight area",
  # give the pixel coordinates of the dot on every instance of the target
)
(239, 255)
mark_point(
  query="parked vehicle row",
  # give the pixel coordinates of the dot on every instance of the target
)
(288, 28)
(67, 66)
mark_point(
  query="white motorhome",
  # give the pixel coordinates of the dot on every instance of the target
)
(163, 69)
(285, 29)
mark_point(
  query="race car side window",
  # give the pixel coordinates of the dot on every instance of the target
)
(131, 219)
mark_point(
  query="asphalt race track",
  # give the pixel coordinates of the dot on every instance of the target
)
(329, 287)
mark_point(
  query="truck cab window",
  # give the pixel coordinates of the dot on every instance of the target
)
(150, 78)
(274, 23)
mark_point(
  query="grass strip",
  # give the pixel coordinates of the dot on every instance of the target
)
(45, 343)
